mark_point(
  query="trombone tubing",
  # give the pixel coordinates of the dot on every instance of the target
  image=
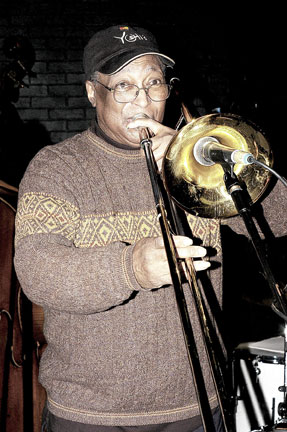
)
(193, 357)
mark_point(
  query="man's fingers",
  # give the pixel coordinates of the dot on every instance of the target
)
(191, 252)
(147, 122)
(201, 265)
(184, 247)
(182, 241)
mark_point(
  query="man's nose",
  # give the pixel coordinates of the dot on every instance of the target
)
(142, 98)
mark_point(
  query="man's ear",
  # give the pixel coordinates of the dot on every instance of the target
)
(91, 92)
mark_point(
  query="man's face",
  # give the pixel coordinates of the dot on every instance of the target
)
(113, 117)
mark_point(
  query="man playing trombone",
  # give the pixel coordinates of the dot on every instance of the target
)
(90, 252)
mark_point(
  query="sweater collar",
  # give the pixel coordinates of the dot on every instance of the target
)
(101, 134)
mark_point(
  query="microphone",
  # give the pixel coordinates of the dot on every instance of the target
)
(208, 151)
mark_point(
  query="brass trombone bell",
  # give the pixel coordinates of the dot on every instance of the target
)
(200, 190)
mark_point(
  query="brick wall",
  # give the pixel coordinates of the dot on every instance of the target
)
(56, 96)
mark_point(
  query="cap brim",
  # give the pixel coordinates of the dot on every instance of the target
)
(118, 62)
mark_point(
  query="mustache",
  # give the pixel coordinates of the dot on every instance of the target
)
(140, 115)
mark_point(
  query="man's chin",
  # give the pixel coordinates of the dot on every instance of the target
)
(133, 138)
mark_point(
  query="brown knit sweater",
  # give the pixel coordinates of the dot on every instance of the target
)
(115, 354)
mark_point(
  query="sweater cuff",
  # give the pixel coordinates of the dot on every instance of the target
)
(127, 263)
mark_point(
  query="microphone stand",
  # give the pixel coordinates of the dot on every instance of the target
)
(242, 202)
(282, 406)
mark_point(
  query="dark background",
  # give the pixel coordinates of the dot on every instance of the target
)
(229, 56)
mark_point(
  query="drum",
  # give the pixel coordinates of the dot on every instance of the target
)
(258, 376)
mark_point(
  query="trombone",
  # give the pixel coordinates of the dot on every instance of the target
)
(184, 185)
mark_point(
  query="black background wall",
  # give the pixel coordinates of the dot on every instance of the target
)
(228, 55)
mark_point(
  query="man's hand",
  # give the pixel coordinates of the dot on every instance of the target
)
(160, 140)
(150, 261)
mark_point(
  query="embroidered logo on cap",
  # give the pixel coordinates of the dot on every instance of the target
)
(129, 37)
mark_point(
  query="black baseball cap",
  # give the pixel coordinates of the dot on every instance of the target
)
(109, 50)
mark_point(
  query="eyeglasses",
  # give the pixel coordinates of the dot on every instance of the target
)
(124, 93)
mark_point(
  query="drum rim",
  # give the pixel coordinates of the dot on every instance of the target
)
(264, 358)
